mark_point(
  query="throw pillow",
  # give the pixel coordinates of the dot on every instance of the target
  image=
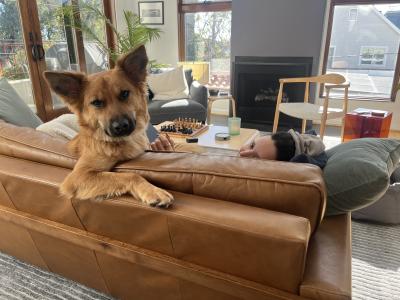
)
(13, 109)
(358, 173)
(169, 85)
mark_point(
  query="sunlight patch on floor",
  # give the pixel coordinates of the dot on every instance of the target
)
(331, 141)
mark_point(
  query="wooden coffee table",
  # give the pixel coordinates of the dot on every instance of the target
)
(207, 138)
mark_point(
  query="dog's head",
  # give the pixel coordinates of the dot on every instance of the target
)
(112, 104)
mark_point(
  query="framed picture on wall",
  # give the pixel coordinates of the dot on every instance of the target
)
(151, 12)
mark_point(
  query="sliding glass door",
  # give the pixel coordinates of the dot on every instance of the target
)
(36, 36)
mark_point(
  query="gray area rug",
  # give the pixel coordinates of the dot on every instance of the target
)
(20, 281)
(376, 271)
(376, 261)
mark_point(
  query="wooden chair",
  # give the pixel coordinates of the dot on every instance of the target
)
(309, 111)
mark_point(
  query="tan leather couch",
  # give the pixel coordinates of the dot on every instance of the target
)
(239, 228)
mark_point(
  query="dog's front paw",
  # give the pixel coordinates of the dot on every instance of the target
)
(68, 189)
(102, 198)
(155, 196)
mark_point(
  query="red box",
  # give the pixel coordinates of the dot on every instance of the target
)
(367, 123)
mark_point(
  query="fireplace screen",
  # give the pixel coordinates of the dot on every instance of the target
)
(256, 87)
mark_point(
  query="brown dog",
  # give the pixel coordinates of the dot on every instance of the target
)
(112, 111)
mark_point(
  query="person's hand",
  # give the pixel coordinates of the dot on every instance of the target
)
(163, 143)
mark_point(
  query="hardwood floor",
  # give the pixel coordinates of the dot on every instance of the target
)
(394, 134)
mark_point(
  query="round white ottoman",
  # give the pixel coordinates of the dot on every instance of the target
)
(387, 209)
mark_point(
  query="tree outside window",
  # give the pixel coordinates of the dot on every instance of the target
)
(208, 36)
(205, 31)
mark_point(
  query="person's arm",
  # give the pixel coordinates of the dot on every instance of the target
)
(319, 160)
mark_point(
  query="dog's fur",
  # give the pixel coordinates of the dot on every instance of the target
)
(98, 149)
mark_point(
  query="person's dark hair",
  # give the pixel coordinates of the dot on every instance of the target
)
(285, 146)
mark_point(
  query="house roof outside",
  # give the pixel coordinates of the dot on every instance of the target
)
(386, 20)
(394, 17)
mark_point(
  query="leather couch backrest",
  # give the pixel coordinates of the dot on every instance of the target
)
(297, 189)
(30, 144)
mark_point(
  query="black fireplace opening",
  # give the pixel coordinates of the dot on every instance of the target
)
(256, 86)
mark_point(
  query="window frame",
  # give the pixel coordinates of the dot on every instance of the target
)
(195, 8)
(334, 53)
(396, 76)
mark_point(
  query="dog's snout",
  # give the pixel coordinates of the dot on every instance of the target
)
(122, 126)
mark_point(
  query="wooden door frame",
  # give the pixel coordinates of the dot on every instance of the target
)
(30, 40)
(80, 49)
(109, 12)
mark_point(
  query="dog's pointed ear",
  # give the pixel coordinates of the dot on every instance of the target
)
(134, 64)
(69, 86)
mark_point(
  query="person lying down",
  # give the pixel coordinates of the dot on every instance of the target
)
(282, 146)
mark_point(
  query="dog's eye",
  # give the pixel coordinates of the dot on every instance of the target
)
(98, 103)
(124, 95)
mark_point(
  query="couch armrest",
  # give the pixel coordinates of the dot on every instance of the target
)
(328, 271)
(199, 93)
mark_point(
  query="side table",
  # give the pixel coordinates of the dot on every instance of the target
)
(212, 99)
(367, 123)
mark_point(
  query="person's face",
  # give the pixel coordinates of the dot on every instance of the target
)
(262, 147)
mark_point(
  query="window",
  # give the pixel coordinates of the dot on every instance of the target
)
(366, 51)
(205, 34)
(373, 56)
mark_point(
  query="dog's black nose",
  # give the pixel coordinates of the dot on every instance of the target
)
(122, 126)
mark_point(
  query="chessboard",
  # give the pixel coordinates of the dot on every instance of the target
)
(182, 127)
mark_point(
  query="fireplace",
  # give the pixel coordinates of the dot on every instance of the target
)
(256, 85)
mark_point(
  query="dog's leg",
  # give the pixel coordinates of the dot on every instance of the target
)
(88, 182)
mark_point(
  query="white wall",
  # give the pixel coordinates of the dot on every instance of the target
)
(165, 49)
(277, 28)
(393, 107)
